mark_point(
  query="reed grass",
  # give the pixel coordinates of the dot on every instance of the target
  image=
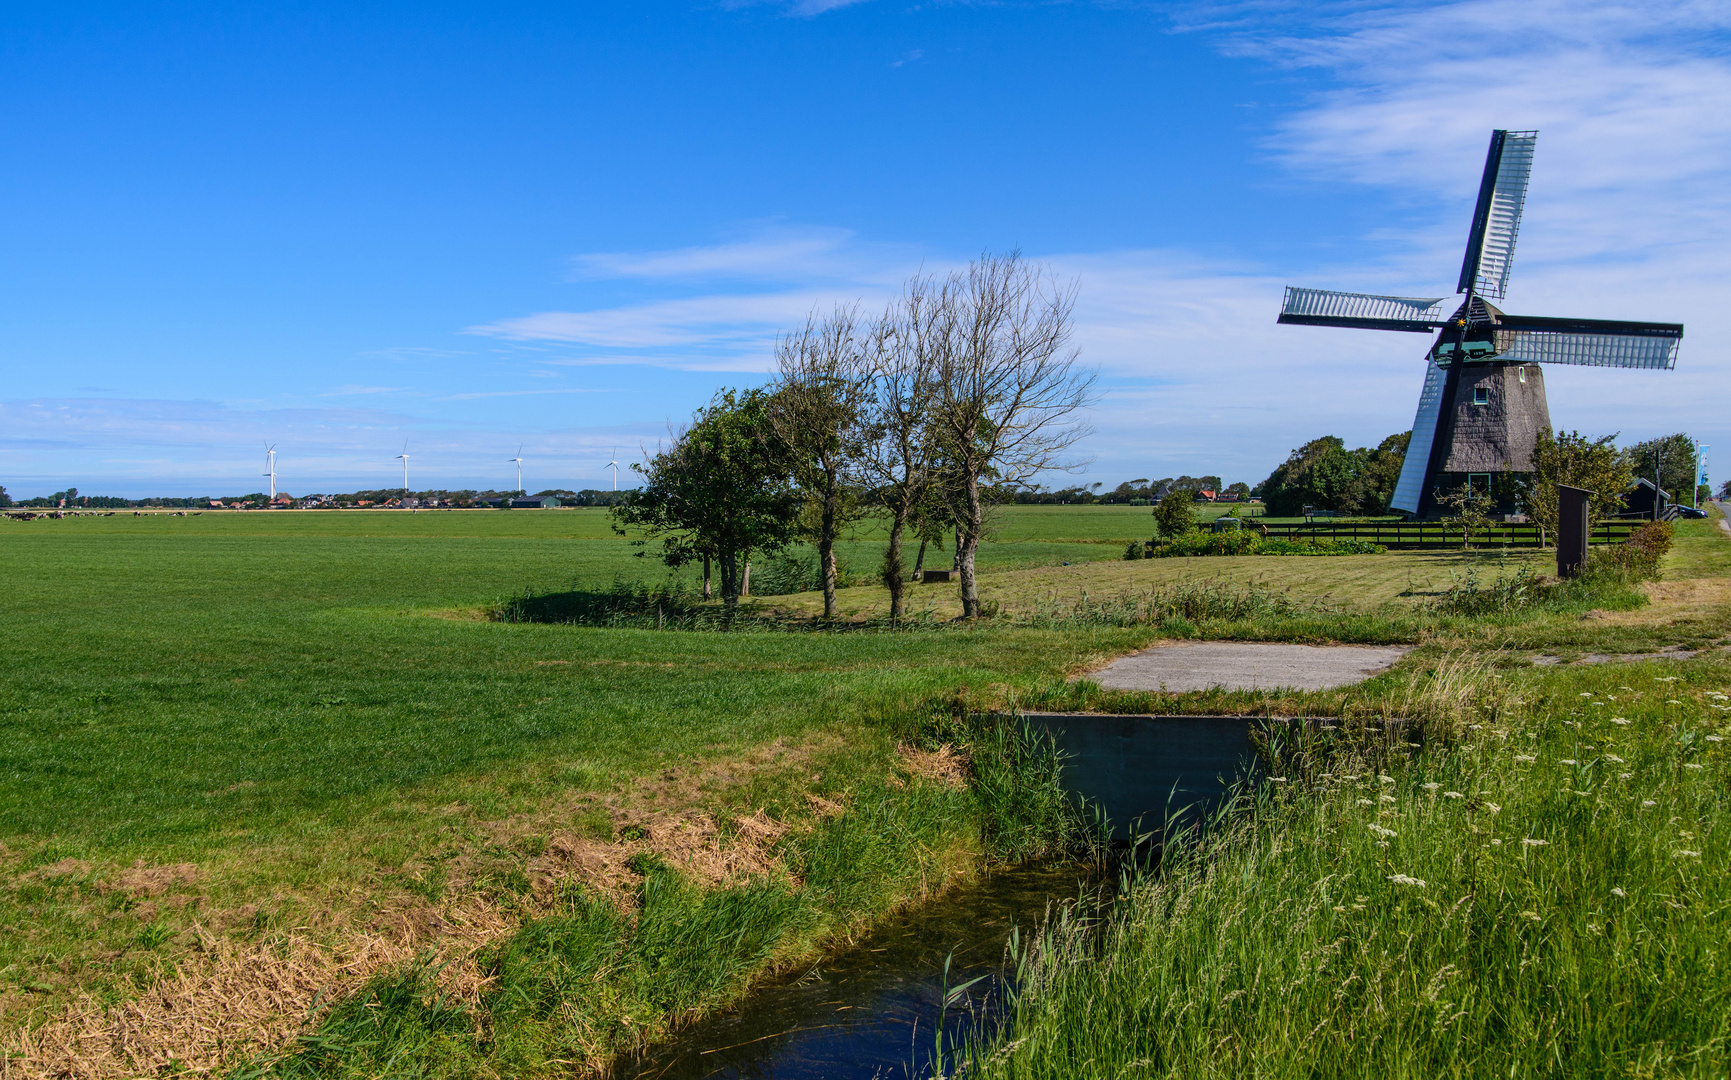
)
(1541, 894)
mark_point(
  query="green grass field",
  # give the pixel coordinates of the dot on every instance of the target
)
(232, 739)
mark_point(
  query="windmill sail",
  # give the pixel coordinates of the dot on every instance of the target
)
(1497, 217)
(1325, 307)
(1410, 487)
(1588, 342)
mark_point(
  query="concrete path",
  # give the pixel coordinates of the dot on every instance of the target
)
(1247, 666)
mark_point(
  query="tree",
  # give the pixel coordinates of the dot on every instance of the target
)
(1670, 459)
(1325, 474)
(1175, 515)
(1009, 387)
(816, 415)
(1240, 489)
(1573, 460)
(722, 491)
(5, 499)
(900, 448)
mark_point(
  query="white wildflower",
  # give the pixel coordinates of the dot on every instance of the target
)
(1630, 689)
(1499, 843)
(1453, 795)
(1619, 721)
(1618, 892)
(1532, 841)
(1681, 854)
(1525, 757)
(1672, 701)
(1385, 779)
(1380, 831)
(1385, 798)
(1493, 808)
(1625, 776)
(1715, 738)
(1666, 678)
(1533, 915)
(1431, 786)
(1692, 765)
(1568, 761)
(1277, 779)
(1365, 802)
(1586, 693)
(1598, 704)
(1615, 758)
(1648, 802)
(1403, 879)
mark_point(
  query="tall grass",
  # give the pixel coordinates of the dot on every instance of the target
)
(1544, 897)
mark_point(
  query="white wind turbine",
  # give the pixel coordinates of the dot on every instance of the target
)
(270, 468)
(519, 460)
(614, 465)
(405, 456)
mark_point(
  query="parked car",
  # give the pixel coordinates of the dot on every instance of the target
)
(1691, 512)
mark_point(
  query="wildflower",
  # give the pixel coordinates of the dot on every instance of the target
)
(1380, 831)
(1497, 842)
(1625, 776)
(1340, 908)
(1583, 793)
(1619, 721)
(1630, 689)
(1431, 786)
(1615, 758)
(1672, 701)
(1648, 802)
(1597, 704)
(1666, 678)
(1385, 798)
(1493, 808)
(1715, 738)
(1525, 757)
(1403, 879)
(1277, 779)
(1681, 854)
(1386, 779)
(1532, 841)
(1586, 693)
(1618, 892)
(1568, 761)
(1692, 765)
(1365, 802)
(1453, 795)
(1533, 915)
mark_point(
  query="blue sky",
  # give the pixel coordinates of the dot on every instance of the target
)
(340, 228)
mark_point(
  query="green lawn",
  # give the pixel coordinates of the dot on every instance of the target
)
(311, 709)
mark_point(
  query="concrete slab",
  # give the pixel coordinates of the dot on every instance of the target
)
(1247, 666)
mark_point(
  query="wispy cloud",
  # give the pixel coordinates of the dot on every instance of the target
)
(522, 393)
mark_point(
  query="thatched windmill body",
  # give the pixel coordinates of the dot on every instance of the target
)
(1483, 401)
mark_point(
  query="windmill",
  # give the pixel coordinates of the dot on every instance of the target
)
(1483, 401)
(519, 460)
(405, 456)
(614, 465)
(270, 468)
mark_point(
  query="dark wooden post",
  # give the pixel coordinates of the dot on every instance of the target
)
(1571, 530)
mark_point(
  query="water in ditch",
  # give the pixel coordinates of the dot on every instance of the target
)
(873, 1010)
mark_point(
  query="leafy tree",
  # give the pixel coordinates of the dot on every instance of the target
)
(1671, 459)
(1725, 490)
(721, 492)
(5, 499)
(1240, 489)
(1325, 474)
(1175, 515)
(1573, 460)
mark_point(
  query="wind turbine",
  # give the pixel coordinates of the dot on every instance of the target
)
(614, 465)
(270, 468)
(405, 456)
(519, 460)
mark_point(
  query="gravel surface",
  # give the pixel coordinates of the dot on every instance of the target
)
(1245, 666)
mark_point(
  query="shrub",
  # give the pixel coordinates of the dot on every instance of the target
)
(1176, 515)
(1247, 543)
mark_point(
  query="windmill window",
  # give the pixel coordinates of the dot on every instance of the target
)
(1481, 395)
(1479, 483)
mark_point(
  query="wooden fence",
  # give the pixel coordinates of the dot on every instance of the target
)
(1440, 534)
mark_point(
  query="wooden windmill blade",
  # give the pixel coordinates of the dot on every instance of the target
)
(1497, 216)
(1361, 311)
(1588, 342)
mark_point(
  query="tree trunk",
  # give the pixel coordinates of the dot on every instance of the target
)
(826, 531)
(707, 593)
(967, 543)
(729, 578)
(745, 580)
(920, 560)
(895, 578)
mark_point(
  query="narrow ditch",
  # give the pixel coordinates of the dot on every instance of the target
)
(874, 1009)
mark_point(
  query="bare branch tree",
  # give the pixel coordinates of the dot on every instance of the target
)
(898, 443)
(1010, 388)
(815, 412)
